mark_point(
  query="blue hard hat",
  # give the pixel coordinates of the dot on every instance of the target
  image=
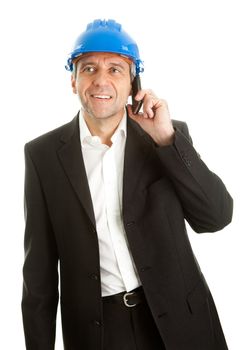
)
(105, 36)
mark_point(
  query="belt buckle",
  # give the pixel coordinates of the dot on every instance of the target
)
(126, 301)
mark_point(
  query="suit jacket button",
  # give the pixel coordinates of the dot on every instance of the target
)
(145, 268)
(130, 223)
(187, 161)
(97, 323)
(93, 276)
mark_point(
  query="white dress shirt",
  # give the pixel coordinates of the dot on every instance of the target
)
(104, 169)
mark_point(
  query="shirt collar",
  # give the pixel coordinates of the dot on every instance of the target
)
(87, 139)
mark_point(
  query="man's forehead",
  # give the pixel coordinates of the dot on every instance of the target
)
(106, 56)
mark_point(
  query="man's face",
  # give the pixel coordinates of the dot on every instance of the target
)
(103, 84)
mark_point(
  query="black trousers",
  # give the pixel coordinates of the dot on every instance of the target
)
(128, 328)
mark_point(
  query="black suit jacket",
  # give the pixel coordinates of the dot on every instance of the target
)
(162, 187)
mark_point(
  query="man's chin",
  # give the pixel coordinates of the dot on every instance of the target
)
(105, 114)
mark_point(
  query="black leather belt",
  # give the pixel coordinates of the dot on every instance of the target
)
(129, 299)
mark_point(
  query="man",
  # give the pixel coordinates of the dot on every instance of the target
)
(107, 195)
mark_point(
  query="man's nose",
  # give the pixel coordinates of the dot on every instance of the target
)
(100, 78)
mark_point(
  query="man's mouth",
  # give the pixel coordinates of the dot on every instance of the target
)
(102, 97)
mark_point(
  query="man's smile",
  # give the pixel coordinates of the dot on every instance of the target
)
(101, 97)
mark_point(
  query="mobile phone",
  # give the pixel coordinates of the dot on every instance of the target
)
(136, 86)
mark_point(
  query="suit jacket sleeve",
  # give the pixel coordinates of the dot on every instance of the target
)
(40, 287)
(206, 203)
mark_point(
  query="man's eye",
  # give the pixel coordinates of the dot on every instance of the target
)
(115, 70)
(89, 69)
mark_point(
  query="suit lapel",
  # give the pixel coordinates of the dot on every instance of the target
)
(71, 158)
(70, 155)
(136, 151)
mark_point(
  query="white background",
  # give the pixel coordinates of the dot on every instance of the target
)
(194, 54)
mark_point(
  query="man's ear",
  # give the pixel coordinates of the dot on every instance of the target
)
(73, 84)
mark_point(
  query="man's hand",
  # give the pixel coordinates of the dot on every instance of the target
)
(155, 119)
